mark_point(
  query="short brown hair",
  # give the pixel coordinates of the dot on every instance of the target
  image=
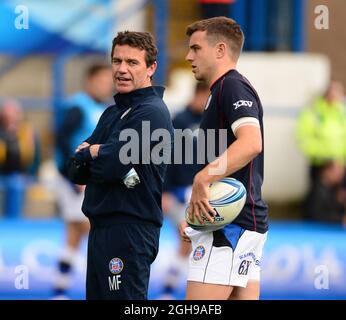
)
(95, 68)
(220, 28)
(141, 40)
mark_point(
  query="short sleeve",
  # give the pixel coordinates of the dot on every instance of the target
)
(238, 101)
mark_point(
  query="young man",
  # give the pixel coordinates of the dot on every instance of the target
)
(225, 264)
(124, 186)
(80, 115)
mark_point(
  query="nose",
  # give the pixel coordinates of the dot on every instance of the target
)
(122, 67)
(189, 56)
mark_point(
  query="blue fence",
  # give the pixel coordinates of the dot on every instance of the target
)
(270, 24)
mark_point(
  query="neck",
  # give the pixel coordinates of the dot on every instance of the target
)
(221, 71)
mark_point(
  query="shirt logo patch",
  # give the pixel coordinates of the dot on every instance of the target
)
(242, 103)
(116, 265)
(199, 253)
(208, 103)
(125, 113)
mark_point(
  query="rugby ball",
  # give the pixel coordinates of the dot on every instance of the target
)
(227, 197)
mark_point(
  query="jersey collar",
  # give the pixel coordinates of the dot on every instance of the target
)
(220, 78)
(126, 99)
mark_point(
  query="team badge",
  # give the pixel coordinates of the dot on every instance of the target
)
(208, 102)
(199, 253)
(116, 265)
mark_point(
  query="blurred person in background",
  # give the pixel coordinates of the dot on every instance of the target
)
(81, 113)
(321, 135)
(326, 200)
(321, 129)
(19, 156)
(178, 183)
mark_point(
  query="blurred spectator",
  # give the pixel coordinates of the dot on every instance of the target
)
(321, 132)
(178, 183)
(326, 201)
(19, 156)
(80, 116)
(215, 8)
(321, 129)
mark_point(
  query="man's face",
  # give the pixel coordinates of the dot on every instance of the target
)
(100, 85)
(201, 55)
(130, 71)
(335, 92)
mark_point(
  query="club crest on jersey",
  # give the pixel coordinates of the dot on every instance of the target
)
(242, 103)
(199, 253)
(116, 265)
(208, 103)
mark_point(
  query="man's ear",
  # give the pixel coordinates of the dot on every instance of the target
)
(152, 69)
(221, 50)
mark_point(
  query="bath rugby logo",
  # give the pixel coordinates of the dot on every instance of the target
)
(199, 253)
(116, 265)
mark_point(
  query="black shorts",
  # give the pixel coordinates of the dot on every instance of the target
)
(119, 259)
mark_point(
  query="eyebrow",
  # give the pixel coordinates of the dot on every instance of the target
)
(126, 59)
(131, 60)
(195, 46)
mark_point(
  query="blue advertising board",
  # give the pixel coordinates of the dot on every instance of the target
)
(300, 261)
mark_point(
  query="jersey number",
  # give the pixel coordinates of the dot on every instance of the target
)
(244, 267)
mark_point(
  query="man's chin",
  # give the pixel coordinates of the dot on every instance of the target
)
(198, 77)
(123, 89)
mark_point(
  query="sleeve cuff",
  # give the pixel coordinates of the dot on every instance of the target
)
(249, 121)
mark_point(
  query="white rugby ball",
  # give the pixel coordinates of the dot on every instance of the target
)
(227, 197)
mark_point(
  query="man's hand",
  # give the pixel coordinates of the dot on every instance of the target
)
(82, 146)
(199, 202)
(80, 188)
(94, 150)
(182, 226)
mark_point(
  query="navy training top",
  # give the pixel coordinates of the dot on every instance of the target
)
(141, 112)
(232, 98)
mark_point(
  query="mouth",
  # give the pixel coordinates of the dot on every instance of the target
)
(122, 79)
